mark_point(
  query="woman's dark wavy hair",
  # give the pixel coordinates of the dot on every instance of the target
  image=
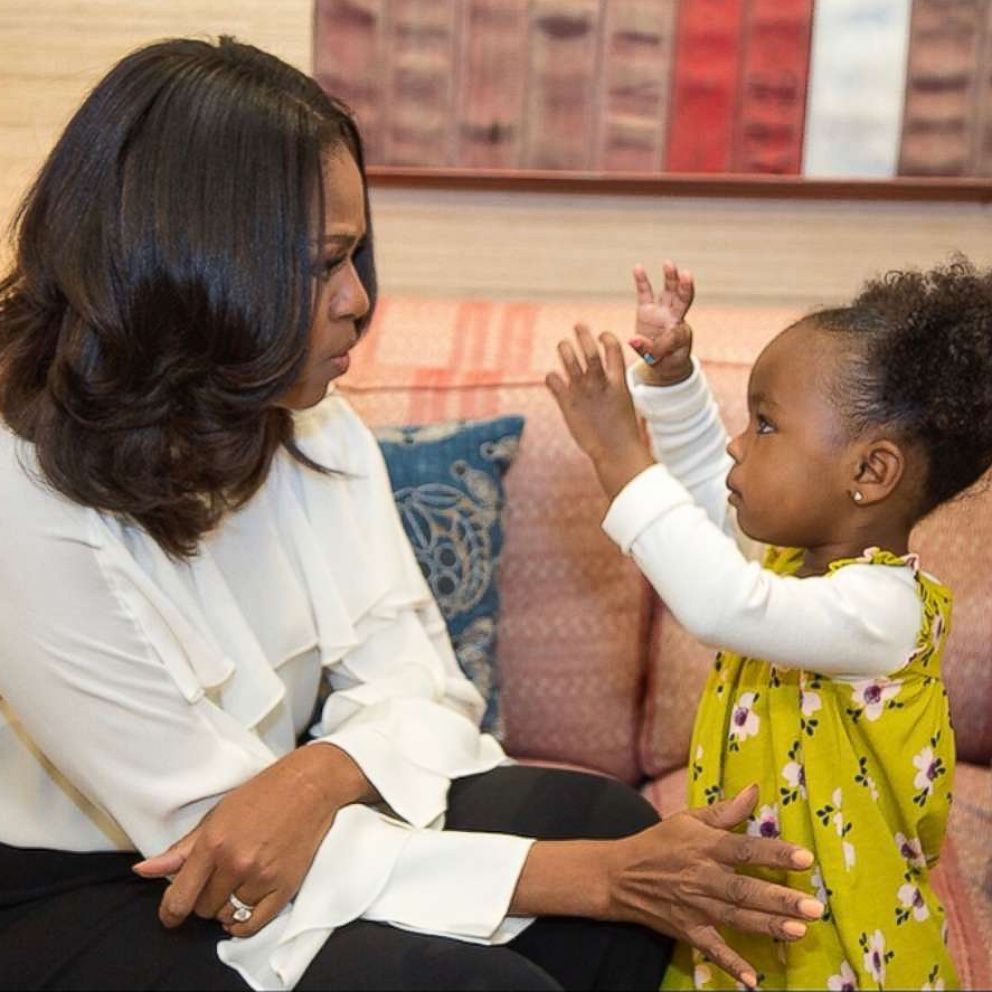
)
(161, 294)
(921, 367)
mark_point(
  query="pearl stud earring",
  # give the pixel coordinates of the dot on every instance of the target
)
(857, 495)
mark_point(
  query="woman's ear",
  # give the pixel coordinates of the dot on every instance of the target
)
(880, 468)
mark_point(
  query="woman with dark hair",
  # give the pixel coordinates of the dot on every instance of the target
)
(198, 536)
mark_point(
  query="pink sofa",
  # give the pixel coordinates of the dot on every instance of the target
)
(595, 672)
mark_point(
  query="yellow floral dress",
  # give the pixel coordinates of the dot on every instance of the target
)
(860, 774)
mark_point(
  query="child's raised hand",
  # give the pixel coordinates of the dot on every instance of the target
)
(661, 336)
(595, 402)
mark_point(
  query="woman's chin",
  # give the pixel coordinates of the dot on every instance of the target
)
(302, 397)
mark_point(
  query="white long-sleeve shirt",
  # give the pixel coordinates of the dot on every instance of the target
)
(138, 690)
(674, 520)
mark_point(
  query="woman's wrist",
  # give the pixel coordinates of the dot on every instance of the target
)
(564, 878)
(333, 775)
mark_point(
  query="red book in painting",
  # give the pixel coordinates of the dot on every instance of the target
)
(493, 74)
(705, 92)
(347, 62)
(771, 118)
(944, 86)
(420, 40)
(638, 37)
(561, 84)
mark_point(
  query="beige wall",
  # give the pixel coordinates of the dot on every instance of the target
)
(53, 51)
(532, 245)
(742, 251)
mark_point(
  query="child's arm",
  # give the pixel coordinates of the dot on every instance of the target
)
(671, 393)
(860, 622)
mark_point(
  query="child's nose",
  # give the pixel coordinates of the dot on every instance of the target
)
(734, 448)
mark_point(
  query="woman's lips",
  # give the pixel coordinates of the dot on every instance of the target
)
(340, 363)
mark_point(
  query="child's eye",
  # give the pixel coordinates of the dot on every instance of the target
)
(764, 425)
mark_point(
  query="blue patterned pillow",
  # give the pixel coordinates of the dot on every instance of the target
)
(447, 480)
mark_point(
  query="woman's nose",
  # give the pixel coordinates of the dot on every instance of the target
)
(351, 299)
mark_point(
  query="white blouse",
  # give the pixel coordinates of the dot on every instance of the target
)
(674, 520)
(138, 690)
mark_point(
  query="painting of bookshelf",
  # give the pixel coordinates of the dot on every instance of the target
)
(776, 89)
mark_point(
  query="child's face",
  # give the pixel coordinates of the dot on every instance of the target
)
(791, 481)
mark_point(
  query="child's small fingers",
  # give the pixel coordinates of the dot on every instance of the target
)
(612, 356)
(686, 288)
(644, 351)
(569, 360)
(642, 284)
(671, 276)
(556, 384)
(590, 349)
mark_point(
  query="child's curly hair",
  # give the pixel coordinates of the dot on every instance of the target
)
(922, 367)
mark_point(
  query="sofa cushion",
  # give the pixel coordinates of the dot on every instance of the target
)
(959, 878)
(954, 544)
(447, 481)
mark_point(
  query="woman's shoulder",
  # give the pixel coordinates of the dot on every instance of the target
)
(41, 530)
(31, 505)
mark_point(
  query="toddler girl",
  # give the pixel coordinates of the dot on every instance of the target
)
(827, 688)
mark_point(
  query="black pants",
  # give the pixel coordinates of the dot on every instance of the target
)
(85, 921)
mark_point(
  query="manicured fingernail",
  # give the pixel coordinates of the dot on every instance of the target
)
(750, 979)
(750, 793)
(812, 908)
(794, 928)
(802, 859)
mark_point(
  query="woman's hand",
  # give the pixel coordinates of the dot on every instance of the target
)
(661, 336)
(678, 877)
(595, 402)
(258, 842)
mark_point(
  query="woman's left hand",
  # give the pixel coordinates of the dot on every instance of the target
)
(258, 842)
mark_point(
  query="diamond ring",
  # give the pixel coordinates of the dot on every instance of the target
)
(242, 911)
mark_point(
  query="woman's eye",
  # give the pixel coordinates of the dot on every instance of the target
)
(764, 426)
(326, 268)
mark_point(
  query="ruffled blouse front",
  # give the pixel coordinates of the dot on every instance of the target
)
(137, 690)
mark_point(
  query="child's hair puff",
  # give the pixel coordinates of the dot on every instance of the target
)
(922, 368)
